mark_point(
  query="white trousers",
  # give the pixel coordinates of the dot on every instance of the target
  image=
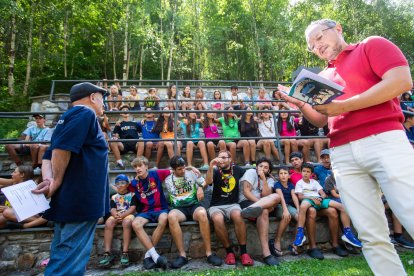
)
(362, 169)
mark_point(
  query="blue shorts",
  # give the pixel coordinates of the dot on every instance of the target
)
(152, 216)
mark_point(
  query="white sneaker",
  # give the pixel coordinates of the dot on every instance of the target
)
(37, 171)
(13, 166)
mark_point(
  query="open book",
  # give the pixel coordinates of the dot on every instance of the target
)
(314, 89)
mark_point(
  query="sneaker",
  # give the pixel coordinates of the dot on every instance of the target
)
(350, 238)
(149, 263)
(300, 237)
(155, 168)
(316, 253)
(13, 166)
(271, 260)
(247, 164)
(230, 259)
(179, 262)
(37, 171)
(401, 241)
(251, 212)
(107, 260)
(205, 167)
(340, 251)
(120, 166)
(246, 260)
(215, 260)
(124, 259)
(162, 262)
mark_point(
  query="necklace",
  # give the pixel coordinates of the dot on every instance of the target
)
(146, 126)
(269, 127)
(140, 186)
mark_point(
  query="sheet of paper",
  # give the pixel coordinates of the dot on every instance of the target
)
(25, 204)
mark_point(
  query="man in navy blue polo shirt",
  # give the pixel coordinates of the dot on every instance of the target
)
(76, 178)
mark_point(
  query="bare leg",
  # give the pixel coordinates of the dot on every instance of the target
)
(200, 215)
(141, 149)
(174, 219)
(239, 226)
(189, 153)
(220, 229)
(160, 151)
(232, 149)
(127, 233)
(211, 148)
(109, 233)
(252, 147)
(243, 144)
(262, 225)
(202, 146)
(11, 149)
(162, 224)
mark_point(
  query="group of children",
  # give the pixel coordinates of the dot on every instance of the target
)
(142, 200)
(241, 129)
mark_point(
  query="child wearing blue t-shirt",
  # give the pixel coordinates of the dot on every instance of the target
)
(123, 208)
(284, 211)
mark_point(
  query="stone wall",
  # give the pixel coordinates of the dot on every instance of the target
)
(25, 249)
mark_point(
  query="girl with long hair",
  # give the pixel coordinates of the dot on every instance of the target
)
(165, 127)
(191, 129)
(171, 96)
(267, 129)
(186, 100)
(229, 123)
(248, 128)
(211, 131)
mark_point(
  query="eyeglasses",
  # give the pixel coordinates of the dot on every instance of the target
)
(318, 37)
(121, 183)
(224, 157)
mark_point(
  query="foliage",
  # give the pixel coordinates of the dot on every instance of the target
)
(223, 39)
(346, 266)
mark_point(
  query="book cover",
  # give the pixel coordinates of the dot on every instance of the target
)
(314, 89)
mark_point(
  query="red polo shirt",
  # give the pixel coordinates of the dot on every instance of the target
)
(358, 68)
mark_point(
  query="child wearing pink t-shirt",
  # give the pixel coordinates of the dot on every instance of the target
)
(211, 131)
(286, 127)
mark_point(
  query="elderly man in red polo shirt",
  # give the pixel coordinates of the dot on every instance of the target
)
(369, 149)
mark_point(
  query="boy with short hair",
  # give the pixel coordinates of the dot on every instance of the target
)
(123, 207)
(311, 194)
(286, 210)
(152, 100)
(147, 186)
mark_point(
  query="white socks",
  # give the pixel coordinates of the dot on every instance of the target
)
(154, 254)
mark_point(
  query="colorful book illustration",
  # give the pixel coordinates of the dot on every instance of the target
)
(313, 89)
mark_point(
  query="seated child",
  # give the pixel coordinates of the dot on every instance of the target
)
(311, 194)
(7, 215)
(152, 100)
(123, 207)
(284, 211)
(147, 186)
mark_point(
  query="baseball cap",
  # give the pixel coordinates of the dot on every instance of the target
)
(38, 115)
(84, 89)
(325, 152)
(121, 177)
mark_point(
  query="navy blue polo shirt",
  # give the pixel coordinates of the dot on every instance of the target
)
(84, 192)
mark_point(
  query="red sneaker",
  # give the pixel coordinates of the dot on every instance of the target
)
(246, 260)
(230, 259)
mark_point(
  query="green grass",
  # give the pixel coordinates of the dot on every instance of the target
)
(345, 267)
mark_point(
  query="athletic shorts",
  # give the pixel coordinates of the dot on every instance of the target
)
(188, 211)
(324, 204)
(152, 216)
(225, 210)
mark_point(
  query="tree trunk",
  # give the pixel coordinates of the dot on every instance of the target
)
(106, 58)
(256, 39)
(125, 66)
(65, 43)
(141, 56)
(29, 53)
(171, 40)
(113, 51)
(12, 54)
(161, 44)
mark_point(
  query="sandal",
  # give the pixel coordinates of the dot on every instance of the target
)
(293, 250)
(273, 250)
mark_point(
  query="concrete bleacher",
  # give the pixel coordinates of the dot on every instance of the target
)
(25, 249)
